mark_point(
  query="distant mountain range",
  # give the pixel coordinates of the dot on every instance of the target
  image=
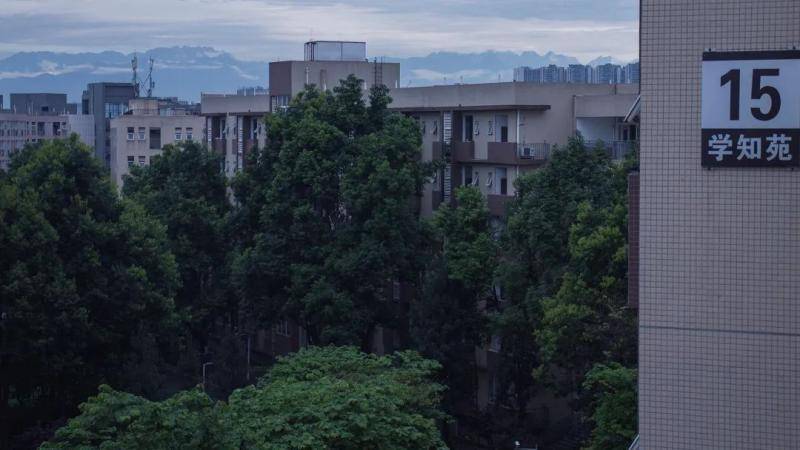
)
(185, 72)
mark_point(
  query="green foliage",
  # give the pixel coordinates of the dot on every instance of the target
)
(117, 420)
(81, 273)
(340, 398)
(324, 397)
(186, 190)
(447, 320)
(335, 222)
(614, 390)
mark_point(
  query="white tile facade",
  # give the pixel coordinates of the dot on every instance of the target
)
(719, 281)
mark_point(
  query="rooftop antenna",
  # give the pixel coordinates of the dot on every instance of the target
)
(135, 79)
(150, 83)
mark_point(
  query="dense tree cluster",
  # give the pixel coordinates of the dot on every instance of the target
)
(140, 290)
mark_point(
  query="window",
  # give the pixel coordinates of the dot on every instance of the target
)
(131, 161)
(468, 128)
(131, 133)
(189, 133)
(435, 129)
(490, 180)
(502, 180)
(155, 138)
(489, 128)
(467, 174)
(396, 291)
(282, 328)
(142, 161)
(496, 344)
(178, 133)
(501, 122)
(477, 127)
(140, 134)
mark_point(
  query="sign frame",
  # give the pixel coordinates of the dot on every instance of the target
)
(750, 109)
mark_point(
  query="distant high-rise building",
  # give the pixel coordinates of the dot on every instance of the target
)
(577, 73)
(608, 74)
(630, 73)
(105, 101)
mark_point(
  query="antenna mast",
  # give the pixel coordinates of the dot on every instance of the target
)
(135, 80)
(149, 82)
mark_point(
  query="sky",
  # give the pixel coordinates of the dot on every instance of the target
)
(274, 29)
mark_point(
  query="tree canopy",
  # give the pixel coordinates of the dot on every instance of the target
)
(81, 274)
(336, 221)
(322, 397)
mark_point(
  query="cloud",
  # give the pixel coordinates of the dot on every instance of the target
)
(266, 30)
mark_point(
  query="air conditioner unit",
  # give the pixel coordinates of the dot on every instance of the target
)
(527, 153)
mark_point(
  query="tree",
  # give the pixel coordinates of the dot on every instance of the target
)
(114, 419)
(336, 221)
(186, 190)
(614, 391)
(81, 274)
(536, 256)
(323, 397)
(448, 319)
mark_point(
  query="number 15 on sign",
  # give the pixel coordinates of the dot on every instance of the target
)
(751, 109)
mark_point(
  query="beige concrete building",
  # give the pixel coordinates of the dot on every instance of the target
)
(141, 133)
(489, 134)
(325, 63)
(719, 272)
(234, 126)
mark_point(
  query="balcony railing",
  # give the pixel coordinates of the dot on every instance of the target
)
(537, 151)
(617, 150)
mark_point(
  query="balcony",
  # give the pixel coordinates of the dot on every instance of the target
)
(498, 204)
(463, 151)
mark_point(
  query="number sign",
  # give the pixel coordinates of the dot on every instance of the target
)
(751, 109)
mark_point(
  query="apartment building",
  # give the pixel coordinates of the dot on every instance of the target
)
(324, 65)
(141, 133)
(18, 130)
(719, 256)
(105, 101)
(234, 125)
(490, 134)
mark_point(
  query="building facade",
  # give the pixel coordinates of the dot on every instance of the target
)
(105, 101)
(17, 130)
(325, 64)
(719, 248)
(234, 125)
(141, 134)
(489, 134)
(41, 104)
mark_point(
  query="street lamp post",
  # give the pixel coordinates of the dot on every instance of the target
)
(206, 364)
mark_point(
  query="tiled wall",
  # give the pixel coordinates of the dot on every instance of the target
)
(719, 282)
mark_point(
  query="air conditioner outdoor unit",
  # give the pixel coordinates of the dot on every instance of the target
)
(527, 152)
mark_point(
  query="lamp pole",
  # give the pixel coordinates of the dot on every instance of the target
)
(205, 364)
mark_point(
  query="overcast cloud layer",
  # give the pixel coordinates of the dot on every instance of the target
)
(267, 29)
